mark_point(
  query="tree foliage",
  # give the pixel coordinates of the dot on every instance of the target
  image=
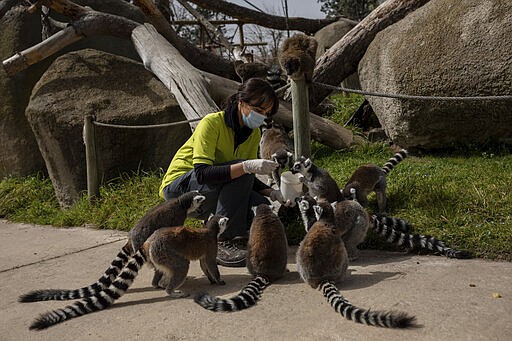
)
(352, 9)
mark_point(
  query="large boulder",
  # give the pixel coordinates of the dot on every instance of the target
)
(116, 90)
(20, 30)
(19, 154)
(445, 48)
(328, 36)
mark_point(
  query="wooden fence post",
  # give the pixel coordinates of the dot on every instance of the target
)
(93, 189)
(300, 111)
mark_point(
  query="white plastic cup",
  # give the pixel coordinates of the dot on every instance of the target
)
(291, 187)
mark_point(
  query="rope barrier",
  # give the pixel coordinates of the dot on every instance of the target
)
(428, 98)
(100, 124)
(331, 87)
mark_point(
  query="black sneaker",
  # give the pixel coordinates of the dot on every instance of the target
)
(228, 254)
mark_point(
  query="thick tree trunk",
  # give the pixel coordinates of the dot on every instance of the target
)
(341, 60)
(175, 72)
(249, 16)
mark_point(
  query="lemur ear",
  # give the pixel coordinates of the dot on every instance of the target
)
(223, 223)
(307, 162)
(198, 199)
(318, 211)
(210, 216)
(253, 208)
(333, 205)
(289, 154)
(353, 193)
(303, 204)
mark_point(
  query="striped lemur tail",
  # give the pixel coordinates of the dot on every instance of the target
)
(103, 282)
(247, 297)
(99, 301)
(393, 161)
(388, 228)
(387, 319)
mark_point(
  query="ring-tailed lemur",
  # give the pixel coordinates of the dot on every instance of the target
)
(322, 262)
(170, 213)
(352, 218)
(266, 261)
(305, 204)
(320, 184)
(274, 76)
(349, 217)
(371, 178)
(276, 145)
(387, 228)
(297, 56)
(169, 250)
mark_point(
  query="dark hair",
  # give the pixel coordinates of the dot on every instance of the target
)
(259, 90)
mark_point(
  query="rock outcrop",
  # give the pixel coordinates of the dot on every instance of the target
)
(20, 30)
(445, 48)
(115, 90)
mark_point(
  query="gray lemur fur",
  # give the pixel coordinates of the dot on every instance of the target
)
(277, 146)
(319, 182)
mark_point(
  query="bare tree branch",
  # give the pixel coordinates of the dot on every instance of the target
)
(87, 22)
(200, 58)
(250, 16)
(175, 72)
(213, 29)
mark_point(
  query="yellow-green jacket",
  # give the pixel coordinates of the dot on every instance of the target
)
(212, 142)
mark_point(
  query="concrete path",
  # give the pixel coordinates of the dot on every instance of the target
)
(452, 299)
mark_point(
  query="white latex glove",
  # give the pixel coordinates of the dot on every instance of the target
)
(259, 166)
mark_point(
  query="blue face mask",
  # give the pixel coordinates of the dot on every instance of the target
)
(253, 120)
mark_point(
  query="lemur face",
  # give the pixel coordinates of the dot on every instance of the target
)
(282, 157)
(197, 203)
(302, 166)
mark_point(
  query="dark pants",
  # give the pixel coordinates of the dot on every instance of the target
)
(232, 199)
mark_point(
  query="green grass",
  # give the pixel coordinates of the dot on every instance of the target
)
(464, 200)
(345, 107)
(463, 197)
(122, 202)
